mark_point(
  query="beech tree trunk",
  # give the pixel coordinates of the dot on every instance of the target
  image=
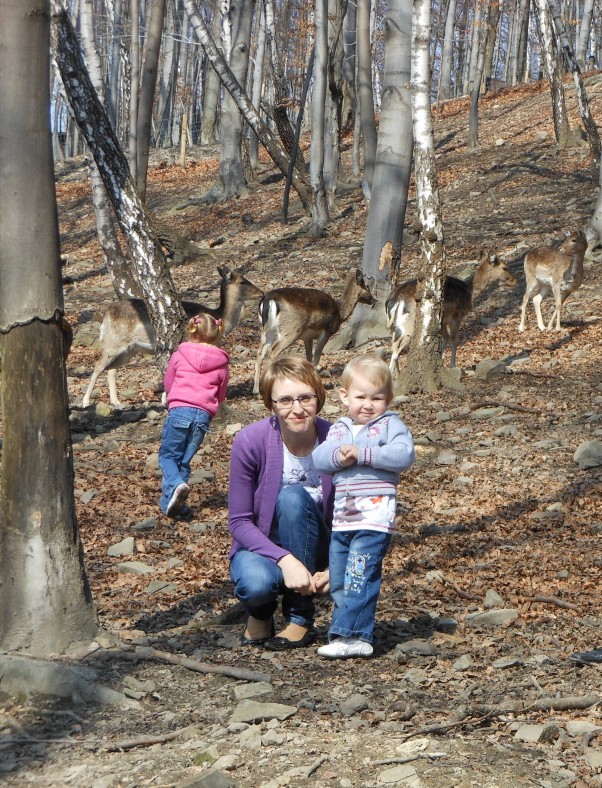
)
(320, 216)
(445, 86)
(422, 370)
(147, 94)
(366, 96)
(46, 601)
(475, 86)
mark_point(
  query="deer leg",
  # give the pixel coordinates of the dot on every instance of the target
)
(309, 345)
(112, 381)
(100, 367)
(528, 293)
(320, 342)
(264, 346)
(558, 306)
(537, 306)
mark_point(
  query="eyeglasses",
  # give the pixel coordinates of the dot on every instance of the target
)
(286, 403)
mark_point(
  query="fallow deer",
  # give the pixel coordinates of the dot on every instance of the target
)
(458, 297)
(126, 328)
(557, 271)
(291, 313)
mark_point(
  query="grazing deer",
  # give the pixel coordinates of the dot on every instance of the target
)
(557, 271)
(458, 296)
(126, 327)
(291, 313)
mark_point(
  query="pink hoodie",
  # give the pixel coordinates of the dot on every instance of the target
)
(197, 377)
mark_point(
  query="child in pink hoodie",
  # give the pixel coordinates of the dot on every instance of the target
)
(196, 380)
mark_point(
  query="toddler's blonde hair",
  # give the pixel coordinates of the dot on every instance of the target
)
(370, 367)
(205, 328)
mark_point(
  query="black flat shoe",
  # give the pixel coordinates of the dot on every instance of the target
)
(258, 641)
(279, 643)
(588, 657)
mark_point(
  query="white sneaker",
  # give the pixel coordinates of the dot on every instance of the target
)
(177, 499)
(344, 648)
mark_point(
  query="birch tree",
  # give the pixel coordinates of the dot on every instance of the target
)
(582, 101)
(152, 273)
(423, 367)
(562, 129)
(46, 600)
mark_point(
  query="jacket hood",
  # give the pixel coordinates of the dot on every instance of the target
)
(203, 358)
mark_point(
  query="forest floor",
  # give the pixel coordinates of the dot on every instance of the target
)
(495, 517)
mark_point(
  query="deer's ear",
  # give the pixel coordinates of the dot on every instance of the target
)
(359, 277)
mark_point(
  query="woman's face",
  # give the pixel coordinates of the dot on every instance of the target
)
(295, 416)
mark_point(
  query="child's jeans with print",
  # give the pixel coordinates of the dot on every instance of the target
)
(356, 559)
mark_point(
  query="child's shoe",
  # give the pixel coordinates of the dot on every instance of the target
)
(177, 499)
(344, 648)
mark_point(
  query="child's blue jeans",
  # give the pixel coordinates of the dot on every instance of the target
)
(356, 559)
(183, 433)
(298, 527)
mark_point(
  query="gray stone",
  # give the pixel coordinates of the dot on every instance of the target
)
(353, 704)
(212, 779)
(491, 618)
(251, 737)
(228, 761)
(87, 496)
(417, 646)
(446, 457)
(272, 738)
(442, 415)
(593, 758)
(489, 368)
(125, 547)
(537, 733)
(252, 711)
(251, 690)
(581, 727)
(397, 774)
(145, 525)
(486, 413)
(416, 676)
(463, 481)
(588, 454)
(506, 662)
(135, 568)
(507, 429)
(152, 461)
(463, 663)
(493, 599)
(160, 585)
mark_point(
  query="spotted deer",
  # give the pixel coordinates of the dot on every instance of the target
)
(126, 328)
(558, 271)
(288, 314)
(458, 298)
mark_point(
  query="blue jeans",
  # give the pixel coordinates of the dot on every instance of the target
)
(183, 433)
(298, 527)
(356, 562)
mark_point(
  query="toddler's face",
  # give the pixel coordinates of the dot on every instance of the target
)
(364, 400)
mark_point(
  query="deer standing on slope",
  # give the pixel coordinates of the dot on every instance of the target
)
(557, 271)
(291, 313)
(126, 328)
(458, 297)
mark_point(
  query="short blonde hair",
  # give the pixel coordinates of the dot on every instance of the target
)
(370, 367)
(205, 328)
(291, 368)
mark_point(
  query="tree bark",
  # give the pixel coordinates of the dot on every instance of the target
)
(117, 266)
(147, 94)
(584, 32)
(582, 101)
(232, 85)
(152, 274)
(320, 217)
(364, 70)
(422, 370)
(445, 86)
(46, 600)
(134, 88)
(562, 129)
(475, 87)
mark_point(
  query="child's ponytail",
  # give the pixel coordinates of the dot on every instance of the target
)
(205, 328)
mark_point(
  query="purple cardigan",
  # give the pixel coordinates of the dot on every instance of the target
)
(256, 465)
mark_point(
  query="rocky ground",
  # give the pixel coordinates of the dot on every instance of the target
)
(495, 573)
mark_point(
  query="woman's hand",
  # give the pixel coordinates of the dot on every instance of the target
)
(296, 576)
(322, 581)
